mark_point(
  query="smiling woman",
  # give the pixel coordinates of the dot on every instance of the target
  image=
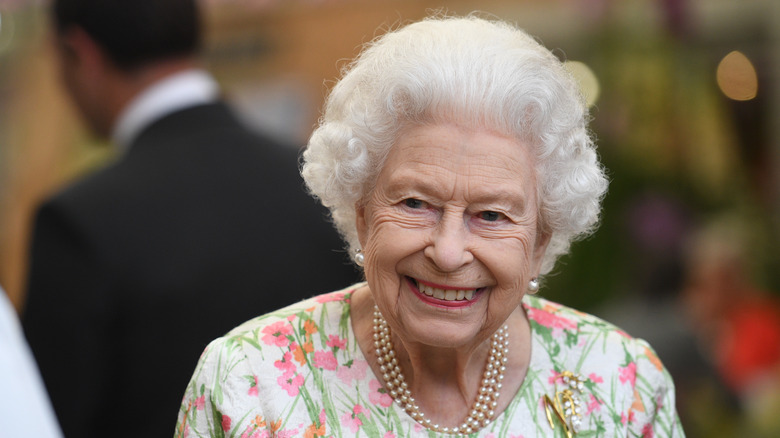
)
(455, 160)
(425, 233)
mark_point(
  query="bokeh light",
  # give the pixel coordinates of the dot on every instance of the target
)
(737, 77)
(589, 83)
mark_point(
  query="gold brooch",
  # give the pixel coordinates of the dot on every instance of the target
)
(566, 405)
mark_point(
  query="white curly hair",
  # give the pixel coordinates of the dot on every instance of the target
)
(473, 72)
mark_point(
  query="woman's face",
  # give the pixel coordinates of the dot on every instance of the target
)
(450, 234)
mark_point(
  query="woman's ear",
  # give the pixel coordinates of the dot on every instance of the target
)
(361, 224)
(540, 248)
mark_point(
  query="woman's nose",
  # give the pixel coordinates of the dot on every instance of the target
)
(449, 246)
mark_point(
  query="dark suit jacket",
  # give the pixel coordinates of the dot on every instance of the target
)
(202, 225)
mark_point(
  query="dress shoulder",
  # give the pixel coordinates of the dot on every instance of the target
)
(243, 378)
(626, 389)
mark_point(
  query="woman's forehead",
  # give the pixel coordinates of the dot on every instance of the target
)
(451, 144)
(439, 156)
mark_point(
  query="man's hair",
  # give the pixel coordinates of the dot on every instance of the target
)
(134, 33)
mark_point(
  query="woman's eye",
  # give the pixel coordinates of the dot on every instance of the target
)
(490, 216)
(414, 203)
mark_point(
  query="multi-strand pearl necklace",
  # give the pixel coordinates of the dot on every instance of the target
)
(484, 408)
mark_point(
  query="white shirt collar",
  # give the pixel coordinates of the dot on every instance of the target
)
(181, 90)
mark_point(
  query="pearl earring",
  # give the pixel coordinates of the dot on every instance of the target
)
(360, 259)
(533, 286)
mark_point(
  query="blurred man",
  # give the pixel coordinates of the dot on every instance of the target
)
(198, 226)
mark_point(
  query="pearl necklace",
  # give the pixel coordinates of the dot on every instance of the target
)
(483, 410)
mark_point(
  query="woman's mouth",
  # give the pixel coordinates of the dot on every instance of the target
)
(457, 296)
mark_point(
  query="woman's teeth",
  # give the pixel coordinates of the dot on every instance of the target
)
(447, 295)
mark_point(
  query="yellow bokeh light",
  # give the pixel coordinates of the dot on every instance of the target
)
(589, 83)
(737, 77)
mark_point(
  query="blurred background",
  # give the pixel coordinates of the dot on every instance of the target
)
(685, 97)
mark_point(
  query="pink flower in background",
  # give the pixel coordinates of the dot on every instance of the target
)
(515, 436)
(647, 431)
(555, 376)
(286, 363)
(357, 371)
(290, 382)
(335, 342)
(351, 419)
(200, 402)
(325, 360)
(490, 435)
(378, 394)
(627, 418)
(276, 334)
(595, 378)
(628, 374)
(388, 435)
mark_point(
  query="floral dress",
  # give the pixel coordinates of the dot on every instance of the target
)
(299, 372)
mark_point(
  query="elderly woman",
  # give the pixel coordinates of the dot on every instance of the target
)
(455, 160)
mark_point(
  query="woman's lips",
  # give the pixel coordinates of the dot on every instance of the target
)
(444, 295)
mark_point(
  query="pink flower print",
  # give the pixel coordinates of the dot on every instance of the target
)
(550, 320)
(352, 420)
(628, 374)
(253, 387)
(627, 418)
(595, 378)
(290, 382)
(378, 394)
(200, 402)
(352, 370)
(555, 376)
(226, 423)
(334, 296)
(418, 427)
(252, 432)
(326, 360)
(287, 433)
(276, 334)
(286, 363)
(349, 420)
(594, 404)
(388, 434)
(515, 436)
(647, 431)
(490, 435)
(335, 342)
